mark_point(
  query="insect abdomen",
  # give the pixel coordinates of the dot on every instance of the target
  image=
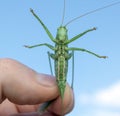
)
(61, 73)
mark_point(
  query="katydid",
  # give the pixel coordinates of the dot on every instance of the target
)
(62, 53)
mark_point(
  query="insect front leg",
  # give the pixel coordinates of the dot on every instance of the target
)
(46, 29)
(84, 50)
(79, 35)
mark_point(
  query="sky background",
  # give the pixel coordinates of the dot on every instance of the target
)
(97, 81)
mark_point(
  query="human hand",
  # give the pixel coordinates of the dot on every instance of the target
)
(22, 90)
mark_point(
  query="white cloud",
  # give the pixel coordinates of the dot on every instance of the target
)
(107, 97)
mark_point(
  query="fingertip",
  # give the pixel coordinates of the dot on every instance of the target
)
(66, 104)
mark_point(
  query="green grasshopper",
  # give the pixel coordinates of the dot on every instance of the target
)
(61, 50)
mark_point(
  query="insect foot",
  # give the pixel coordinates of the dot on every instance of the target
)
(94, 28)
(26, 46)
(31, 10)
(104, 56)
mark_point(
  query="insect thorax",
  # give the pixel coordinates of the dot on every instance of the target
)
(62, 36)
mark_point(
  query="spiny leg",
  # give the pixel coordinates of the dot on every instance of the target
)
(72, 69)
(79, 35)
(44, 44)
(45, 105)
(50, 63)
(68, 56)
(84, 50)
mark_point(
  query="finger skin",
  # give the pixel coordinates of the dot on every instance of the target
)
(23, 86)
(35, 114)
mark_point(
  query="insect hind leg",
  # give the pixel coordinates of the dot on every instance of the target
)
(72, 69)
(68, 56)
(50, 62)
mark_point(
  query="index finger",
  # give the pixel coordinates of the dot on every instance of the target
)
(22, 85)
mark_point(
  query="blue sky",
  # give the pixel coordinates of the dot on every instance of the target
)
(97, 81)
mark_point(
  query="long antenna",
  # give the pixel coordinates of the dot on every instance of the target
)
(90, 12)
(63, 13)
